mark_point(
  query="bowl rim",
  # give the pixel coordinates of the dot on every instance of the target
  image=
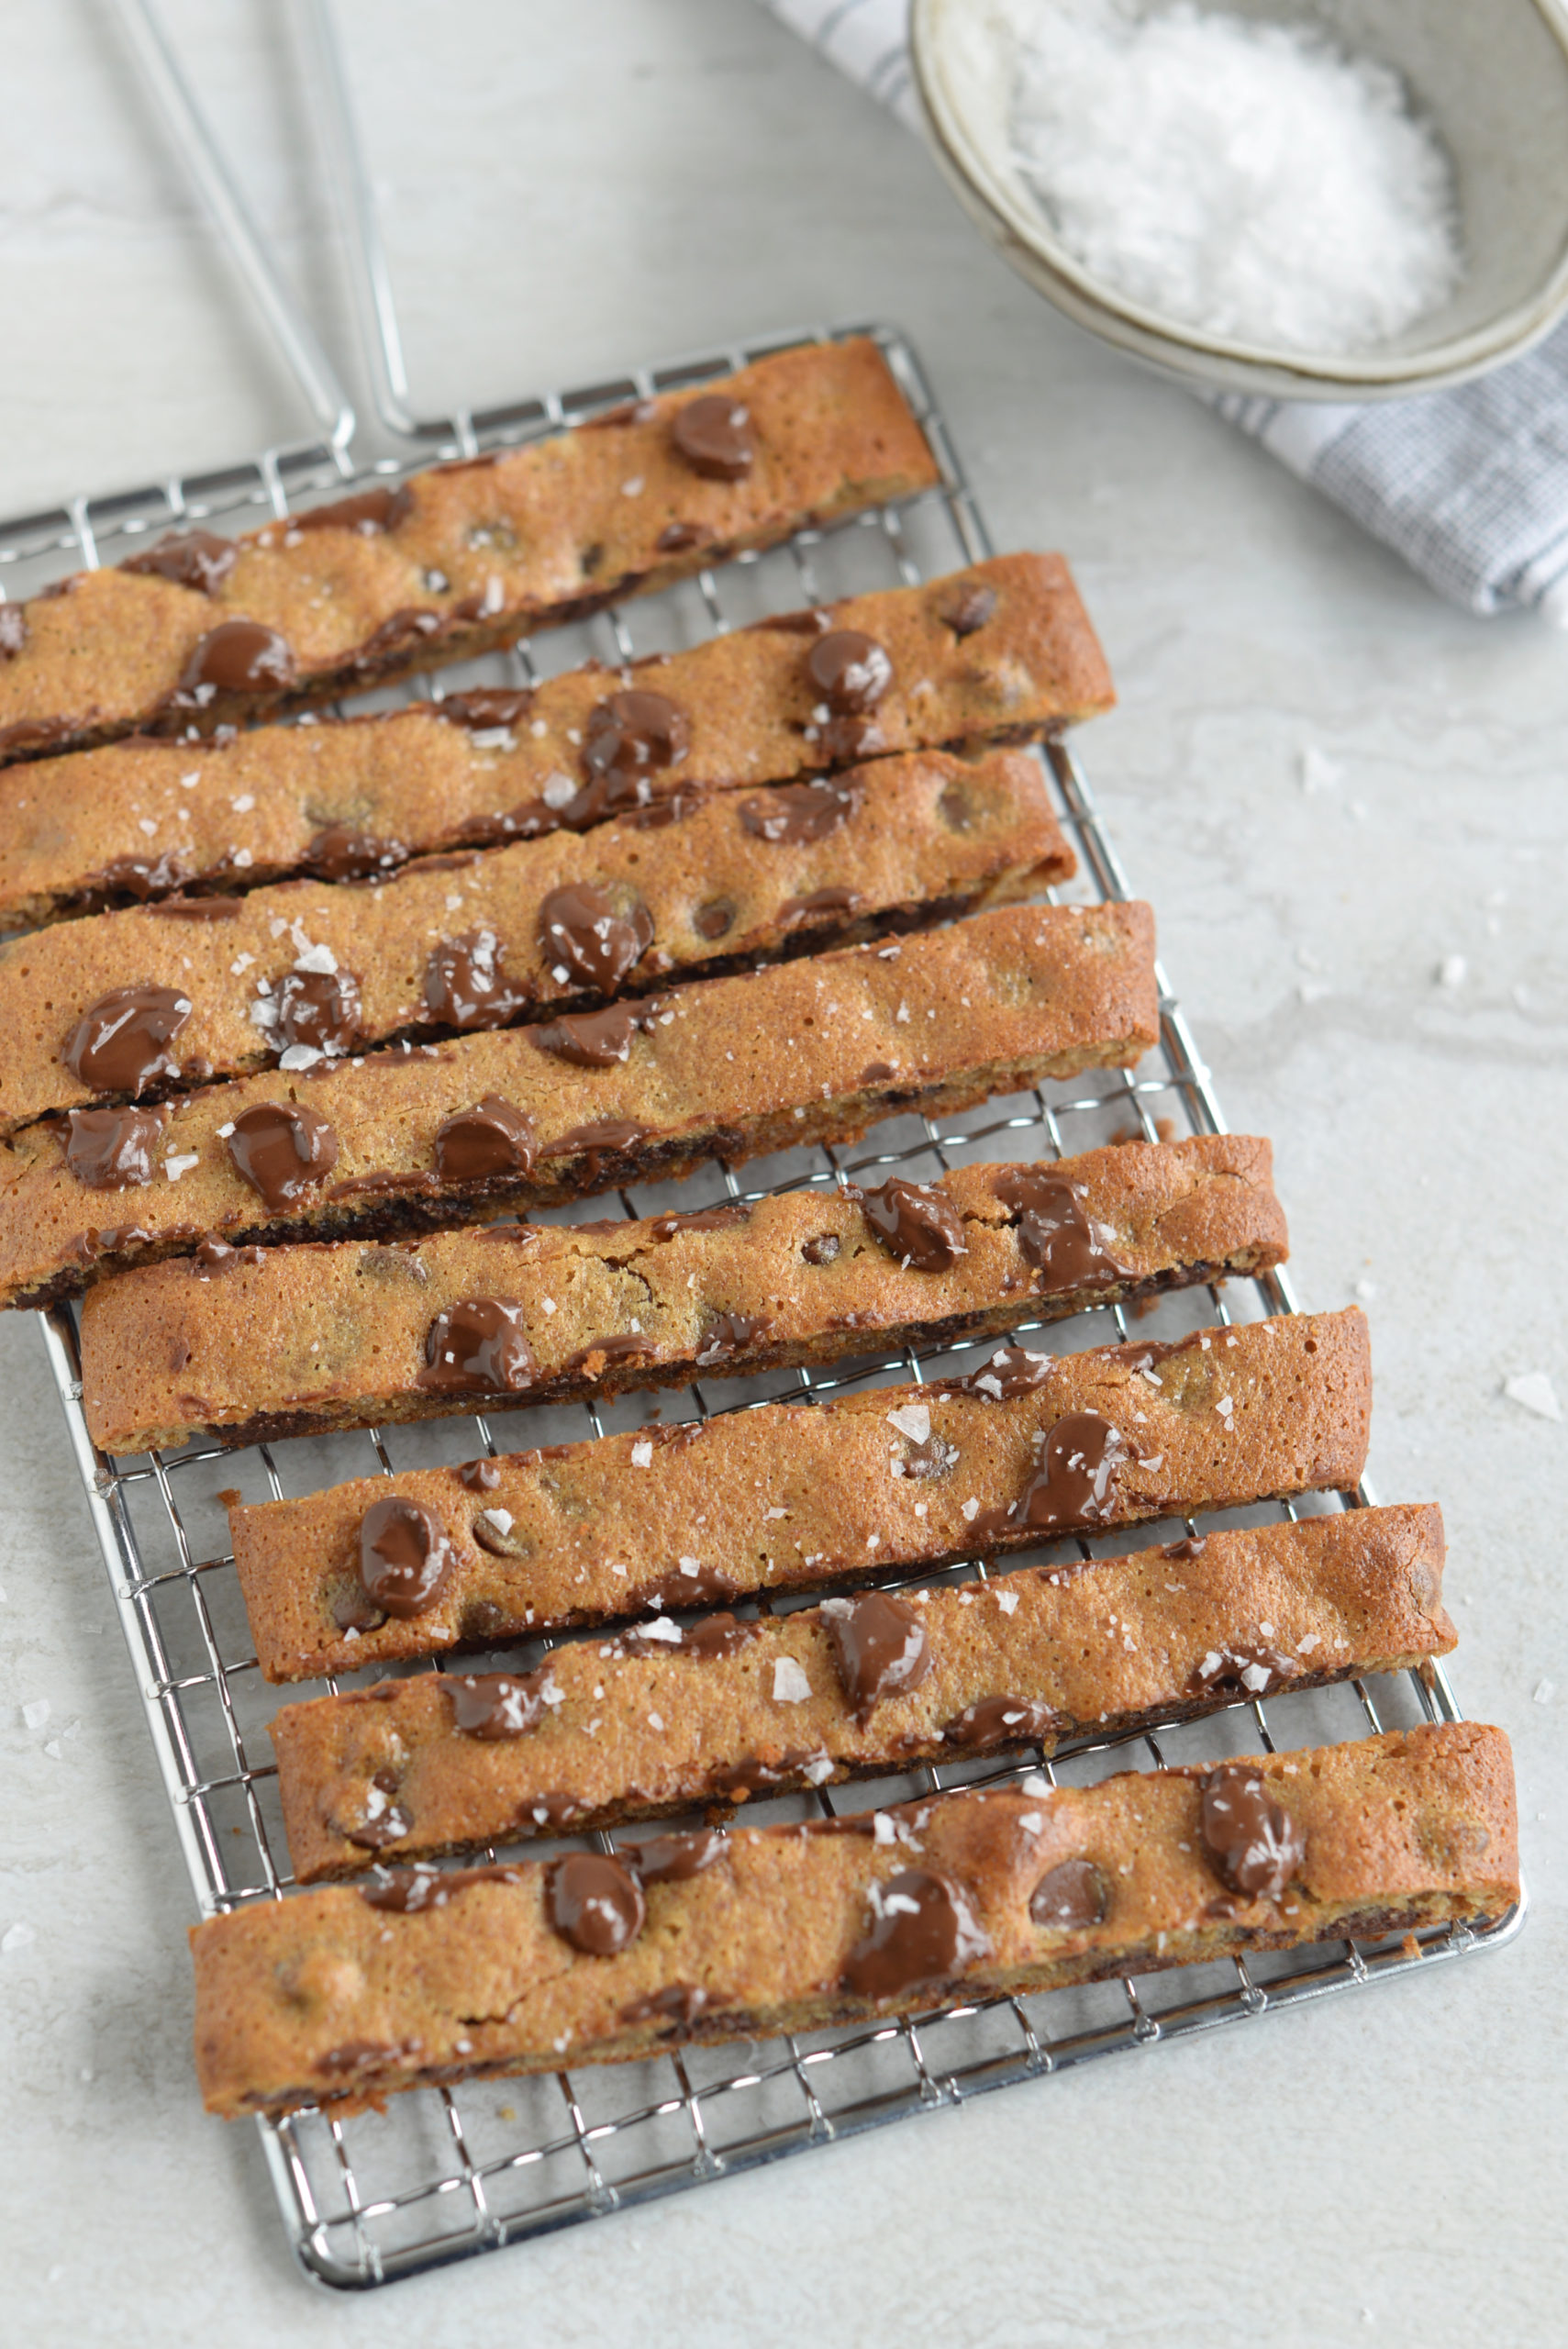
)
(1027, 243)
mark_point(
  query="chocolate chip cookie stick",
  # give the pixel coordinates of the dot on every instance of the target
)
(309, 971)
(417, 1137)
(661, 1719)
(278, 1341)
(1000, 652)
(200, 631)
(790, 1497)
(341, 1995)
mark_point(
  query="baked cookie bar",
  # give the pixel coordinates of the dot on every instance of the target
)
(789, 1497)
(290, 1340)
(1001, 652)
(665, 1717)
(199, 631)
(339, 1996)
(311, 971)
(423, 1135)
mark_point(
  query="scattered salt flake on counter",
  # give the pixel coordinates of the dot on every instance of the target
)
(1534, 1390)
(790, 1685)
(1314, 991)
(1318, 770)
(35, 1712)
(53, 1749)
(1544, 1692)
(642, 1455)
(1366, 1291)
(1452, 971)
(16, 1937)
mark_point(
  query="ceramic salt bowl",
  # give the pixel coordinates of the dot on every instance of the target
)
(1491, 76)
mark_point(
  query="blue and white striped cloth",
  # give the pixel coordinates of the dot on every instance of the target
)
(1469, 485)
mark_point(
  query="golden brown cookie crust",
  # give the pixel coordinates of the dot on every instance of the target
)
(140, 820)
(638, 1727)
(788, 1497)
(521, 539)
(318, 1337)
(912, 838)
(327, 1999)
(794, 1053)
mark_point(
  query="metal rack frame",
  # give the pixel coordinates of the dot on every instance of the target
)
(448, 2173)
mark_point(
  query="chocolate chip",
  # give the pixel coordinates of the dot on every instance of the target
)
(631, 735)
(595, 1904)
(917, 1223)
(924, 1934)
(466, 986)
(197, 559)
(1253, 1840)
(478, 1347)
(799, 813)
(239, 657)
(1053, 1231)
(111, 1150)
(369, 512)
(282, 1150)
(586, 938)
(406, 1558)
(964, 605)
(588, 1039)
(320, 1009)
(1000, 1720)
(483, 1144)
(120, 1044)
(497, 1705)
(339, 853)
(850, 672)
(714, 435)
(1071, 1897)
(880, 1649)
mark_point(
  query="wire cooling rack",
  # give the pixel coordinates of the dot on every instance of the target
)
(446, 2173)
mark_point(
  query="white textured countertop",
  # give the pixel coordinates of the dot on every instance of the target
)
(566, 188)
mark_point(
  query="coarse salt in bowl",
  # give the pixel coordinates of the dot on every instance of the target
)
(1351, 201)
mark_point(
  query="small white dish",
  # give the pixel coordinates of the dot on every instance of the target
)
(1491, 74)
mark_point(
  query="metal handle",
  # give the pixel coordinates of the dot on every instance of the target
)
(219, 192)
(374, 306)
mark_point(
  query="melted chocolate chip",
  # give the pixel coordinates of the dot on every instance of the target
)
(215, 1256)
(850, 672)
(120, 1045)
(1191, 1546)
(585, 939)
(1071, 1897)
(717, 1636)
(142, 877)
(479, 1475)
(729, 1333)
(352, 1610)
(1253, 1842)
(406, 1558)
(672, 1859)
(1249, 1668)
(677, 2006)
(591, 1359)
(405, 1892)
(282, 1150)
(702, 1586)
(197, 909)
(197, 559)
(676, 537)
(819, 905)
(111, 1150)
(320, 1009)
(13, 632)
(369, 512)
(386, 1820)
(1073, 1484)
(599, 1135)
(799, 813)
(493, 1705)
(714, 435)
(925, 1934)
(965, 606)
(480, 1145)
(478, 1347)
(1012, 1371)
(935, 1457)
(880, 1649)
(1000, 1720)
(395, 634)
(822, 1249)
(737, 1780)
(35, 734)
(917, 1223)
(720, 1218)
(595, 1904)
(486, 707)
(239, 657)
(631, 735)
(588, 1039)
(712, 921)
(1053, 1231)
(466, 986)
(339, 853)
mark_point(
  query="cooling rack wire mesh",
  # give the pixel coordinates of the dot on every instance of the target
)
(447, 2173)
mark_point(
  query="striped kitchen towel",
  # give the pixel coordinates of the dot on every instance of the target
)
(1469, 485)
